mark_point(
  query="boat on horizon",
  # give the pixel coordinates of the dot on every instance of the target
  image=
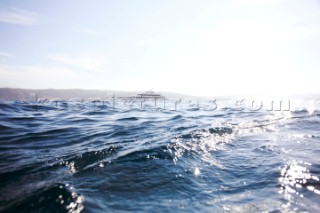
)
(149, 94)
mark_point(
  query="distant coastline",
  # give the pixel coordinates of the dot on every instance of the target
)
(19, 94)
(12, 94)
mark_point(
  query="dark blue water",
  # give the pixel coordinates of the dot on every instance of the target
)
(71, 157)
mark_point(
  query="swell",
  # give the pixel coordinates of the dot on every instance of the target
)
(124, 159)
(166, 150)
(53, 198)
(45, 139)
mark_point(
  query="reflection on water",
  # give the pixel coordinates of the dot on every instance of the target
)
(296, 180)
(150, 159)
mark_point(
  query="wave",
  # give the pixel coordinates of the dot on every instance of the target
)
(102, 159)
(54, 198)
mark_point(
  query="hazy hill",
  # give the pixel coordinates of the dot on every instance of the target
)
(67, 94)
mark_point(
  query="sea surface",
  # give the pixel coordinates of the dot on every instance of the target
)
(179, 156)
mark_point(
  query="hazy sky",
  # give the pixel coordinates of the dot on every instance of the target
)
(212, 47)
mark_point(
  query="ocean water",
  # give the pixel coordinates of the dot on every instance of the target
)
(93, 157)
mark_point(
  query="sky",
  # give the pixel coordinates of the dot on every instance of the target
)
(203, 47)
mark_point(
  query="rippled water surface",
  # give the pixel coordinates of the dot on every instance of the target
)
(86, 158)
